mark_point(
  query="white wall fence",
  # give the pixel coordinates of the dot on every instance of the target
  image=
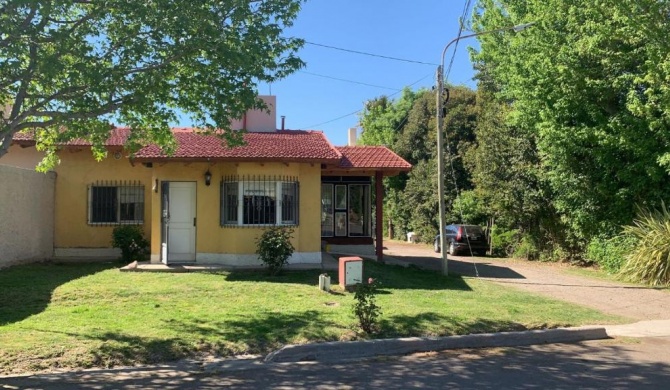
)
(26, 215)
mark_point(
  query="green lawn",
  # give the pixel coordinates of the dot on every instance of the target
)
(92, 315)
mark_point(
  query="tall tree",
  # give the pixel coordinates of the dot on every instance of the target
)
(411, 201)
(587, 81)
(68, 67)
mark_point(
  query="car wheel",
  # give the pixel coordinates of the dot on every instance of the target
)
(452, 249)
(481, 253)
(436, 246)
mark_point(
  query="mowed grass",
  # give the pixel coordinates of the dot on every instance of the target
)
(92, 315)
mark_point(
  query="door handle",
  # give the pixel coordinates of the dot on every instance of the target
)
(194, 219)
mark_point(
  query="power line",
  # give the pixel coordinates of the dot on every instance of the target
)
(357, 111)
(464, 15)
(348, 81)
(370, 54)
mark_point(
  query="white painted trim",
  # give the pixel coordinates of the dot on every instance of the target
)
(87, 252)
(251, 260)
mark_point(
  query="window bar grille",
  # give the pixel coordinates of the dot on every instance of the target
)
(115, 202)
(260, 197)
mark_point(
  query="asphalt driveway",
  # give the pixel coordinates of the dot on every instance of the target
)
(549, 279)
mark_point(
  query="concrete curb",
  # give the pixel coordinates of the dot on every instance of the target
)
(344, 350)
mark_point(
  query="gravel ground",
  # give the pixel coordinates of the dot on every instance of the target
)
(550, 279)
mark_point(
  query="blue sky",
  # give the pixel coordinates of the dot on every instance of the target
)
(415, 30)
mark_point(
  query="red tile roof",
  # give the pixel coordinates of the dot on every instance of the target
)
(371, 157)
(287, 145)
(117, 137)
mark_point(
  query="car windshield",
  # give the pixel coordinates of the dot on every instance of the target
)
(473, 230)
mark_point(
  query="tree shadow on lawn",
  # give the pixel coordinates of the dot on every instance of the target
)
(462, 267)
(426, 324)
(258, 334)
(26, 289)
(391, 277)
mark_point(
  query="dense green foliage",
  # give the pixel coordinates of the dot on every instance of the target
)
(610, 253)
(584, 86)
(411, 202)
(649, 261)
(68, 68)
(566, 136)
(130, 239)
(274, 248)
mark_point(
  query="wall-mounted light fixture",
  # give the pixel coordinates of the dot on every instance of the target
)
(208, 177)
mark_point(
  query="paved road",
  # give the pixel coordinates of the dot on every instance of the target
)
(612, 364)
(549, 279)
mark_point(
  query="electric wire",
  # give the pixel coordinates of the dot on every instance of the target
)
(464, 16)
(357, 111)
(369, 54)
(348, 81)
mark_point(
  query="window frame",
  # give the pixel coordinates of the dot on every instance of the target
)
(277, 185)
(138, 200)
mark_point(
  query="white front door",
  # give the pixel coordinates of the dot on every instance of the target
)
(181, 225)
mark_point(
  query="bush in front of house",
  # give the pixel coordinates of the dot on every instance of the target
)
(649, 260)
(274, 248)
(365, 308)
(130, 239)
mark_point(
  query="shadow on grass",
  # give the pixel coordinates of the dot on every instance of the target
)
(462, 267)
(26, 289)
(391, 276)
(421, 325)
(261, 332)
(257, 334)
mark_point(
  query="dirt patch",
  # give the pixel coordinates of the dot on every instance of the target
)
(549, 279)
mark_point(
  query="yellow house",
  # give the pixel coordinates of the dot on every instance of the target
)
(208, 203)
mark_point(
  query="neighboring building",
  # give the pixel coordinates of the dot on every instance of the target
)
(208, 203)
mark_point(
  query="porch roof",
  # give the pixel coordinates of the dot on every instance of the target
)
(366, 160)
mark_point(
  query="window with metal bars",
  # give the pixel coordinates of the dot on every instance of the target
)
(115, 202)
(259, 201)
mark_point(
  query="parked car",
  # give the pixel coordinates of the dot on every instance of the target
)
(463, 239)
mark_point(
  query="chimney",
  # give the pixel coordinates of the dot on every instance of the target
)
(259, 121)
(352, 136)
(283, 122)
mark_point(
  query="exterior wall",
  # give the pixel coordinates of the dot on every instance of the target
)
(77, 170)
(237, 245)
(214, 244)
(22, 157)
(26, 215)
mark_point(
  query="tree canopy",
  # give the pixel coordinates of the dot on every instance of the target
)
(588, 83)
(69, 67)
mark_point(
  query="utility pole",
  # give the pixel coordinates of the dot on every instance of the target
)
(440, 169)
(440, 135)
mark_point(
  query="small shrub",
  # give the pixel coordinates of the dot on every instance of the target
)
(610, 253)
(504, 242)
(274, 248)
(526, 248)
(365, 308)
(130, 239)
(649, 260)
